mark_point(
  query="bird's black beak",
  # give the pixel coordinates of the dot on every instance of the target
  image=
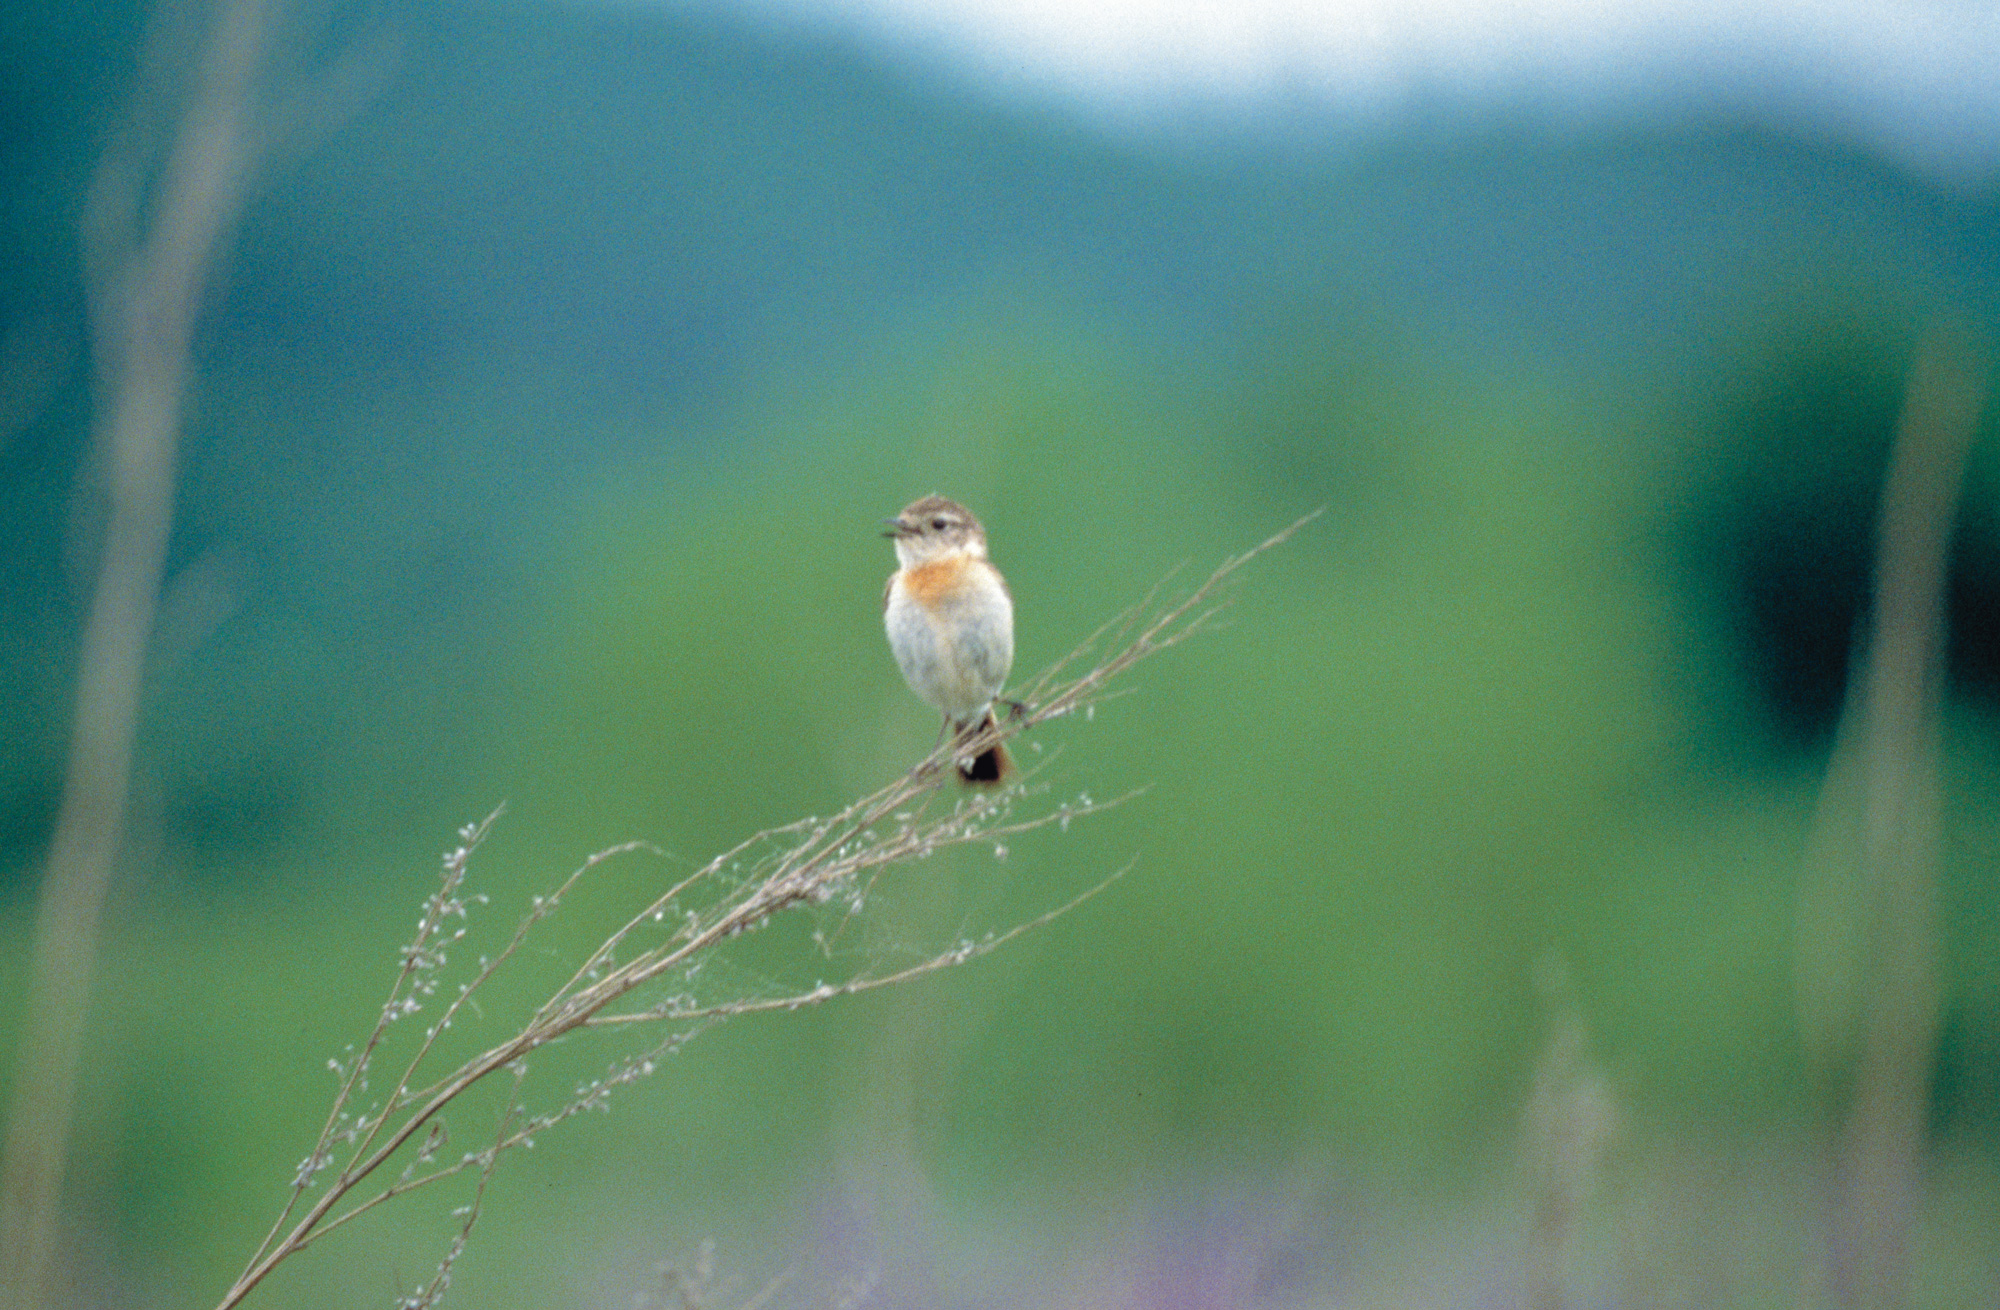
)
(897, 528)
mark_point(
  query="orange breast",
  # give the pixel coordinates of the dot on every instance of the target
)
(938, 582)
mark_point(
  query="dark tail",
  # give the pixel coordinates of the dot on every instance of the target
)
(990, 766)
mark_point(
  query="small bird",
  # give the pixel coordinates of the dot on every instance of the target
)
(950, 621)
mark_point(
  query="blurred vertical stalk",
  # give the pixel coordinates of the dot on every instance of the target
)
(1868, 948)
(152, 232)
(1570, 1120)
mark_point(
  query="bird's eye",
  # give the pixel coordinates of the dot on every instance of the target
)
(940, 524)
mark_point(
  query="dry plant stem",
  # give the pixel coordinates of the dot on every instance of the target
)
(437, 911)
(574, 1006)
(808, 863)
(1888, 752)
(433, 1292)
(1051, 697)
(145, 297)
(423, 949)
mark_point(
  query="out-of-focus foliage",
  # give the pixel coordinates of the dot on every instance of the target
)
(547, 416)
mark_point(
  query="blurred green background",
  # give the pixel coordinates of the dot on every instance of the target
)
(548, 406)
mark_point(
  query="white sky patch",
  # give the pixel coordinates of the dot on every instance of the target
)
(1920, 78)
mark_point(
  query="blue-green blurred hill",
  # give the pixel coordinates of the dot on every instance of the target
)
(555, 240)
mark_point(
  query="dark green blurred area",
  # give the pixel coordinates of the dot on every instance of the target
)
(547, 409)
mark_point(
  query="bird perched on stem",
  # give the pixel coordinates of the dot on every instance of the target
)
(951, 622)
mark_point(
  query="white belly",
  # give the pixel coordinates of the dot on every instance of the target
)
(955, 655)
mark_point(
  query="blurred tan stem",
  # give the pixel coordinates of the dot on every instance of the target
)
(1868, 932)
(146, 293)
